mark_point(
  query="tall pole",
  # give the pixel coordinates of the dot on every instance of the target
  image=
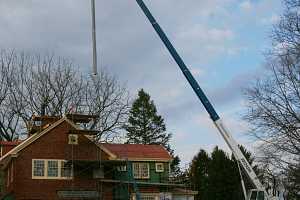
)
(94, 38)
(233, 145)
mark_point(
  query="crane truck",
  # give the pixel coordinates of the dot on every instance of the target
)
(259, 192)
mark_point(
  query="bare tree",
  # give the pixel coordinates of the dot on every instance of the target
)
(274, 99)
(286, 33)
(8, 120)
(49, 85)
(273, 103)
(40, 85)
(274, 111)
(109, 100)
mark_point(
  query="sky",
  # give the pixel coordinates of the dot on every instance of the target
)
(221, 41)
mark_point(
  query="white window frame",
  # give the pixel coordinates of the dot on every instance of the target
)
(70, 137)
(53, 169)
(33, 168)
(58, 177)
(145, 195)
(157, 167)
(122, 168)
(139, 166)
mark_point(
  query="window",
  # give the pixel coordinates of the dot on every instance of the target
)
(73, 139)
(51, 169)
(141, 170)
(159, 167)
(122, 168)
(38, 168)
(66, 169)
(146, 196)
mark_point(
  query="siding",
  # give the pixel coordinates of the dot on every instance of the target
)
(155, 177)
(53, 145)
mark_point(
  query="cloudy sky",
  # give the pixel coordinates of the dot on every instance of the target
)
(222, 42)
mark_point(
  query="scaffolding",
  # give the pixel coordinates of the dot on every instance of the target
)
(108, 180)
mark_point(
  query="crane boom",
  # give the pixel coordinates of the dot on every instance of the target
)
(233, 145)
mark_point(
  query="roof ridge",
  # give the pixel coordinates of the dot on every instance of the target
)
(132, 144)
(32, 138)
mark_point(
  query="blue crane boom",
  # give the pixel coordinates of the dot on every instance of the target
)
(259, 193)
(210, 109)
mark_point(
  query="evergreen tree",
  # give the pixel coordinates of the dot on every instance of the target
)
(216, 177)
(144, 125)
(221, 181)
(198, 174)
(293, 182)
(237, 177)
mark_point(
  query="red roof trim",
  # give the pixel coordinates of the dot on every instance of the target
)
(11, 143)
(138, 151)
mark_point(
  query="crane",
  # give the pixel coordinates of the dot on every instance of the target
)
(259, 193)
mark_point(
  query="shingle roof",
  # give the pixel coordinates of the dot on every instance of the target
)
(31, 139)
(138, 151)
(11, 143)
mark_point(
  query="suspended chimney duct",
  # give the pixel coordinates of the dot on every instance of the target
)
(94, 38)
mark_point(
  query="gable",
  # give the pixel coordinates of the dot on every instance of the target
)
(30, 140)
(53, 142)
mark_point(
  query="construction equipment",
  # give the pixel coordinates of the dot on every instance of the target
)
(259, 193)
(95, 72)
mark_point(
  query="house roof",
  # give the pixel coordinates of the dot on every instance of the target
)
(138, 151)
(115, 151)
(11, 143)
(31, 139)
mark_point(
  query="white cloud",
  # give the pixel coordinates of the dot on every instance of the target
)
(246, 6)
(236, 126)
(236, 50)
(204, 121)
(211, 42)
(273, 19)
(197, 71)
(207, 35)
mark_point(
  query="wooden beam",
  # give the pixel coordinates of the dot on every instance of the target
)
(45, 118)
(140, 183)
(81, 118)
(83, 132)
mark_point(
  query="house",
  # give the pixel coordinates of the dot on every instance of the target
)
(59, 160)
(6, 146)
